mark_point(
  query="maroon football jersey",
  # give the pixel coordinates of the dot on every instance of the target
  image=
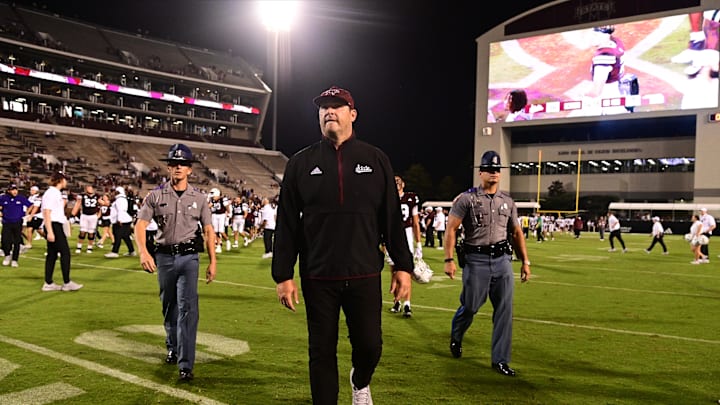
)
(409, 203)
(611, 54)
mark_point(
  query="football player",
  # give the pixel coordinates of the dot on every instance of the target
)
(607, 68)
(219, 207)
(238, 210)
(88, 206)
(409, 203)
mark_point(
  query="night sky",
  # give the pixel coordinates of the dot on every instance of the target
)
(410, 64)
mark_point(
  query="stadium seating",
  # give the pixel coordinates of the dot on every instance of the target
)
(96, 101)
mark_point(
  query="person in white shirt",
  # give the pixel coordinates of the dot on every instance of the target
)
(695, 234)
(121, 224)
(614, 227)
(268, 215)
(515, 103)
(54, 220)
(657, 234)
(34, 217)
(708, 226)
(439, 223)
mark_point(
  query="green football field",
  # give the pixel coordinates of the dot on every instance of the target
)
(591, 327)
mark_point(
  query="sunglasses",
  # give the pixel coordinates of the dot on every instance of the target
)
(176, 164)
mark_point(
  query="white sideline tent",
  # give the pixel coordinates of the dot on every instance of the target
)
(682, 208)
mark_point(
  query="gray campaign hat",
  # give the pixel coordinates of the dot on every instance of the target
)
(179, 153)
(490, 161)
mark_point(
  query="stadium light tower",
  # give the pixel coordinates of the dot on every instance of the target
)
(277, 16)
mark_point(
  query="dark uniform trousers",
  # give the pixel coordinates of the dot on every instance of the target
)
(361, 302)
(704, 249)
(178, 280)
(12, 239)
(53, 248)
(485, 276)
(430, 236)
(122, 232)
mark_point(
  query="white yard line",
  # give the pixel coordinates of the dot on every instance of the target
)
(120, 375)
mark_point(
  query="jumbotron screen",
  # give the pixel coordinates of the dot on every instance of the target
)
(661, 64)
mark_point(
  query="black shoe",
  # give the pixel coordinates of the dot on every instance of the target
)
(171, 357)
(407, 312)
(395, 308)
(455, 348)
(504, 369)
(186, 374)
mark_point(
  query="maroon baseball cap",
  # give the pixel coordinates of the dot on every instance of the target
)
(335, 94)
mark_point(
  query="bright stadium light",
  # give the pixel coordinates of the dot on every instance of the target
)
(276, 16)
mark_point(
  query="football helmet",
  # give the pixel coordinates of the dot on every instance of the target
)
(422, 273)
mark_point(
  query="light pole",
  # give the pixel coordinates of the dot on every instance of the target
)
(276, 16)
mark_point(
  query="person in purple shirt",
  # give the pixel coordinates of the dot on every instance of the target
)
(13, 206)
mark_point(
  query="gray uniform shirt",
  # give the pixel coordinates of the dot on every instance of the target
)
(485, 220)
(177, 217)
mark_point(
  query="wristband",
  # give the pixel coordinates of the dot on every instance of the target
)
(448, 260)
(527, 262)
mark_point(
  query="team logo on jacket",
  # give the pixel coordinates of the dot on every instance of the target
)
(316, 171)
(360, 169)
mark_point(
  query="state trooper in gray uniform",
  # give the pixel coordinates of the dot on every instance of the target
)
(178, 209)
(488, 217)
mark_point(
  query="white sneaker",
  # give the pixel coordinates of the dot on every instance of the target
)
(78, 251)
(6, 260)
(695, 262)
(267, 255)
(99, 245)
(227, 245)
(647, 251)
(37, 237)
(247, 242)
(666, 253)
(624, 250)
(235, 245)
(130, 254)
(89, 250)
(14, 264)
(71, 286)
(611, 250)
(25, 248)
(218, 249)
(51, 287)
(360, 396)
(112, 255)
(706, 260)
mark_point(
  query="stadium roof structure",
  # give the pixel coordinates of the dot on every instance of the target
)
(448, 204)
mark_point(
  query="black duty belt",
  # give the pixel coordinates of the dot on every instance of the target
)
(182, 249)
(495, 250)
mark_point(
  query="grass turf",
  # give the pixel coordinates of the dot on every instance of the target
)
(591, 327)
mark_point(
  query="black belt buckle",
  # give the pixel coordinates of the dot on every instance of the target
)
(175, 249)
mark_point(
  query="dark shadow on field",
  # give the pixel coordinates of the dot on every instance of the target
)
(251, 379)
